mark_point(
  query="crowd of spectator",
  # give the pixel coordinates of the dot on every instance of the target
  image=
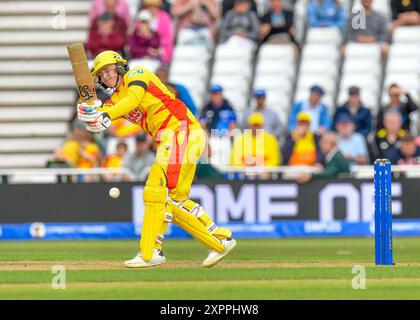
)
(329, 138)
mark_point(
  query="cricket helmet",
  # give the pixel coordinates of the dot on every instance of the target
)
(107, 58)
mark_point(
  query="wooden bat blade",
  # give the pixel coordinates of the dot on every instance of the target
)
(84, 80)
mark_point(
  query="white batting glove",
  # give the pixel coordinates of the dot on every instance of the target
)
(88, 112)
(101, 123)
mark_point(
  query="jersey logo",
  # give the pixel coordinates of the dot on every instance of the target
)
(135, 115)
(136, 71)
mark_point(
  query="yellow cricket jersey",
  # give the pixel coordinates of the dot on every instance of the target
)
(144, 99)
(250, 150)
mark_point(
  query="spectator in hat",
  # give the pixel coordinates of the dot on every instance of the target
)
(218, 114)
(326, 13)
(142, 159)
(374, 28)
(108, 32)
(240, 27)
(255, 147)
(197, 20)
(408, 153)
(144, 42)
(272, 122)
(183, 93)
(399, 101)
(162, 24)
(334, 161)
(320, 120)
(387, 140)
(361, 115)
(301, 146)
(405, 13)
(351, 144)
(277, 24)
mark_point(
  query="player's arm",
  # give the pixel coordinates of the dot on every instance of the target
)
(136, 91)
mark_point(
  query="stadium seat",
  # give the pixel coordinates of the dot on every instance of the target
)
(149, 64)
(33, 52)
(62, 37)
(361, 66)
(363, 51)
(20, 145)
(225, 52)
(33, 114)
(276, 52)
(38, 98)
(409, 34)
(239, 68)
(269, 67)
(33, 129)
(320, 67)
(46, 82)
(401, 50)
(273, 82)
(29, 160)
(183, 68)
(36, 67)
(321, 52)
(190, 53)
(16, 22)
(323, 36)
(403, 65)
(43, 7)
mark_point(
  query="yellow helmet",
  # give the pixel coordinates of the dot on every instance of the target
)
(107, 58)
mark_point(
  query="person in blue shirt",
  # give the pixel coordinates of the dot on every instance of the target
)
(318, 110)
(361, 115)
(352, 144)
(326, 13)
(183, 93)
(218, 114)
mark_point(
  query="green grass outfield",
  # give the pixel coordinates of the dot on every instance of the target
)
(256, 269)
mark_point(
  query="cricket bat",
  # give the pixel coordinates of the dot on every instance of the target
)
(84, 80)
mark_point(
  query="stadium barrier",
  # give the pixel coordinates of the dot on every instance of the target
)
(275, 208)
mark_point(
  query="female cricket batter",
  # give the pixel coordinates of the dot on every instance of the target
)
(140, 97)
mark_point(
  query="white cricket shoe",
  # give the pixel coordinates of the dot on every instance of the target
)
(214, 256)
(138, 262)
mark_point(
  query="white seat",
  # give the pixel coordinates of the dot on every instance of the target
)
(362, 66)
(28, 160)
(33, 129)
(226, 52)
(279, 52)
(37, 113)
(149, 64)
(191, 83)
(193, 68)
(324, 36)
(20, 145)
(321, 52)
(46, 82)
(363, 51)
(36, 67)
(401, 50)
(223, 67)
(323, 67)
(38, 97)
(405, 34)
(267, 67)
(111, 145)
(43, 7)
(33, 52)
(42, 37)
(270, 82)
(28, 22)
(403, 65)
(190, 53)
